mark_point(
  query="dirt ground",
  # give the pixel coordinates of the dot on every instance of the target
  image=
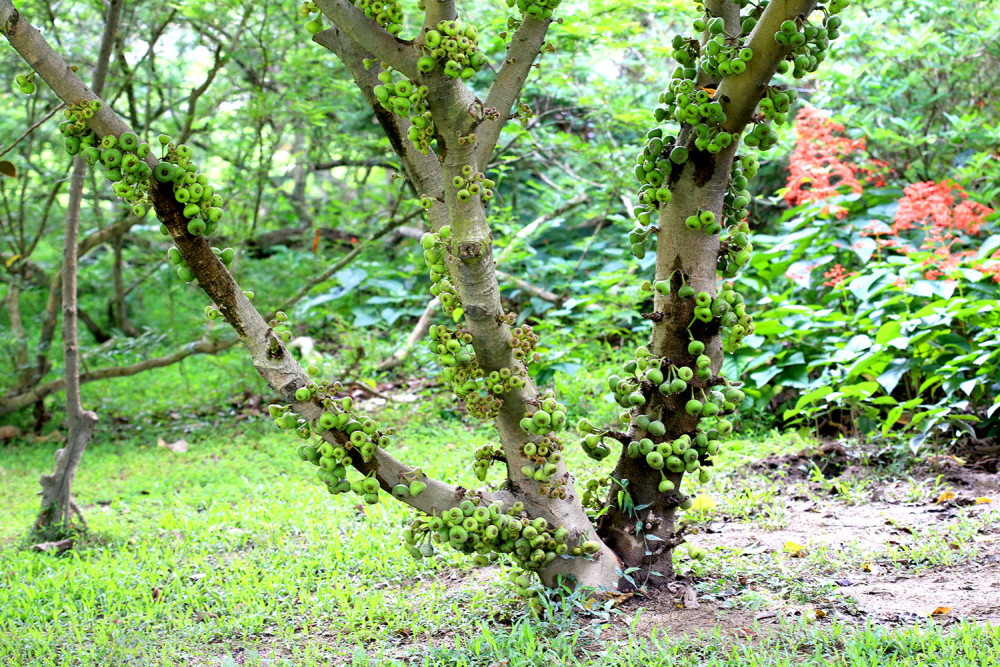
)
(856, 591)
(878, 591)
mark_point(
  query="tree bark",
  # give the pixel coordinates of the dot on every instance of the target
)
(57, 499)
(639, 534)
(119, 312)
(645, 538)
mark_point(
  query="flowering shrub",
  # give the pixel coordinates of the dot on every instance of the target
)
(824, 162)
(902, 332)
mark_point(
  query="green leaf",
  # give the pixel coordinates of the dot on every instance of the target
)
(885, 400)
(888, 331)
(988, 246)
(813, 396)
(897, 368)
(864, 247)
(762, 377)
(858, 343)
(769, 328)
(969, 386)
(891, 419)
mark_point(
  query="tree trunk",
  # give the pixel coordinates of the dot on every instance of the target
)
(57, 504)
(119, 313)
(24, 373)
(57, 499)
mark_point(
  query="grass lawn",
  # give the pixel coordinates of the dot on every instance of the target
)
(231, 553)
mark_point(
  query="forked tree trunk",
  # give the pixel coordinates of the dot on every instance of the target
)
(637, 534)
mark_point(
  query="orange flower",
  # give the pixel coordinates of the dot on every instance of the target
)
(837, 275)
(825, 160)
(934, 204)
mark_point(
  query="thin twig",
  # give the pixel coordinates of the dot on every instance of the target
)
(32, 129)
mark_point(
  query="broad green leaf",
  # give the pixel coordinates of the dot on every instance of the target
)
(891, 419)
(888, 331)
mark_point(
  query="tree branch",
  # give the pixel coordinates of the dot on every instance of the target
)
(151, 41)
(348, 162)
(741, 93)
(268, 353)
(221, 57)
(15, 402)
(419, 331)
(437, 11)
(534, 290)
(729, 11)
(32, 129)
(343, 261)
(57, 500)
(51, 313)
(507, 85)
(401, 55)
(423, 171)
(529, 228)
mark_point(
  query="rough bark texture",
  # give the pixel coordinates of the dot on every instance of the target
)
(680, 251)
(471, 263)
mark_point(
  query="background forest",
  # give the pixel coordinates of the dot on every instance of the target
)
(873, 371)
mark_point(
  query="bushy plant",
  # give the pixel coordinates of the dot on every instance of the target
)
(886, 313)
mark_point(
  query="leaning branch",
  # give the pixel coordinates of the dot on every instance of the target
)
(506, 87)
(362, 30)
(268, 353)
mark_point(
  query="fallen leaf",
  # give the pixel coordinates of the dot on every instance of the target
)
(754, 548)
(941, 611)
(55, 547)
(765, 614)
(982, 500)
(690, 597)
(795, 550)
(944, 497)
(619, 598)
(820, 613)
(7, 168)
(703, 502)
(178, 447)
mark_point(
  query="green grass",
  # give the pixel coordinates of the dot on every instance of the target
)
(233, 554)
